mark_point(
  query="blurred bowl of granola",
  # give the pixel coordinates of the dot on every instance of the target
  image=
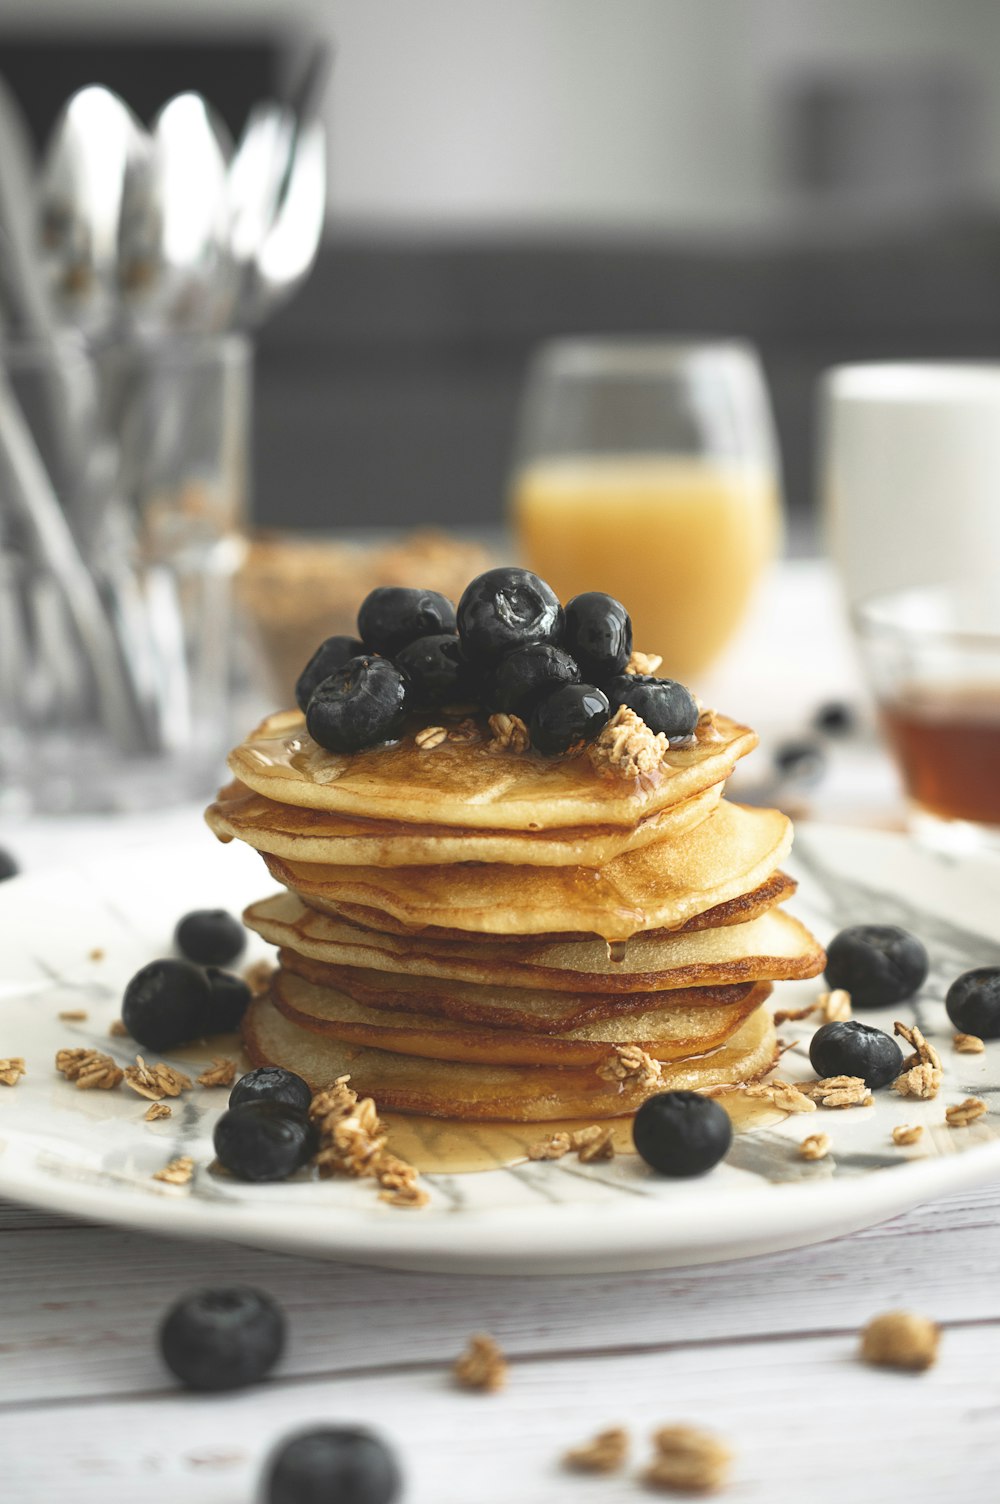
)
(296, 589)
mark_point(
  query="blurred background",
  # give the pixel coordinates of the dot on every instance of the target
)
(821, 178)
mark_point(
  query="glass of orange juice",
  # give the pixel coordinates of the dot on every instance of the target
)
(648, 468)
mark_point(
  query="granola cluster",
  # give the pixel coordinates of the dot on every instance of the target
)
(482, 1366)
(352, 1141)
(155, 1081)
(628, 1065)
(921, 1074)
(900, 1339)
(12, 1068)
(595, 1142)
(626, 748)
(89, 1070)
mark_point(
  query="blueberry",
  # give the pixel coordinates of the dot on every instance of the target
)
(328, 657)
(598, 634)
(210, 936)
(523, 677)
(222, 1339)
(973, 1002)
(167, 1003)
(229, 1000)
(835, 718)
(362, 704)
(568, 718)
(663, 704)
(504, 609)
(394, 615)
(850, 1048)
(801, 760)
(332, 1465)
(272, 1083)
(8, 866)
(682, 1133)
(877, 964)
(264, 1140)
(435, 671)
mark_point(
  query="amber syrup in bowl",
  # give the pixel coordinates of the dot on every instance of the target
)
(947, 744)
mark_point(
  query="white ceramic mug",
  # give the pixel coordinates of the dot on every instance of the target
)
(910, 473)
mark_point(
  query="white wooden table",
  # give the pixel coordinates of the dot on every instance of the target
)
(763, 1352)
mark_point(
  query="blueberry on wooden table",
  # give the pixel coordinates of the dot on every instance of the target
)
(663, 704)
(167, 1003)
(272, 1083)
(507, 608)
(877, 964)
(393, 615)
(361, 705)
(850, 1048)
(328, 657)
(264, 1140)
(598, 633)
(682, 1133)
(525, 675)
(973, 1002)
(332, 1465)
(435, 671)
(212, 937)
(228, 1001)
(222, 1339)
(8, 866)
(567, 718)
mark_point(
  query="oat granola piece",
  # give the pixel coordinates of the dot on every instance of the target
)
(629, 1066)
(924, 1053)
(594, 1143)
(409, 1195)
(12, 1068)
(643, 663)
(336, 1101)
(74, 1016)
(465, 733)
(118, 1029)
(834, 1007)
(258, 977)
(178, 1172)
(627, 748)
(900, 1339)
(97, 954)
(783, 1095)
(157, 1110)
(554, 1147)
(840, 1091)
(351, 1136)
(687, 1460)
(604, 1453)
(155, 1081)
(816, 1146)
(964, 1113)
(794, 1015)
(429, 737)
(923, 1081)
(969, 1044)
(400, 1182)
(509, 734)
(221, 1072)
(907, 1133)
(482, 1366)
(89, 1070)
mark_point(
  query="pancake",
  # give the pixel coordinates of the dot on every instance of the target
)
(333, 838)
(499, 1007)
(657, 887)
(773, 947)
(468, 786)
(671, 1033)
(494, 1092)
(775, 890)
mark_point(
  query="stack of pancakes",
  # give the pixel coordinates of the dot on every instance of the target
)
(475, 932)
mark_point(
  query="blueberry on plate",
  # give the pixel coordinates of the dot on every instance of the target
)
(222, 1339)
(835, 718)
(973, 1002)
(328, 657)
(504, 609)
(393, 615)
(272, 1083)
(598, 633)
(851, 1048)
(681, 1133)
(435, 671)
(663, 704)
(167, 1003)
(332, 1465)
(362, 704)
(877, 964)
(264, 1140)
(8, 866)
(567, 718)
(212, 937)
(229, 1000)
(524, 676)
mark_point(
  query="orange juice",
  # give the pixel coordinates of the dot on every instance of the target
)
(682, 541)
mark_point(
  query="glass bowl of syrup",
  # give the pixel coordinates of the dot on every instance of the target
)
(933, 658)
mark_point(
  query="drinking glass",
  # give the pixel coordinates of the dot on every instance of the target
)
(648, 468)
(933, 658)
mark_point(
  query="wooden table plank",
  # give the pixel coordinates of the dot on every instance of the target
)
(88, 1300)
(803, 1416)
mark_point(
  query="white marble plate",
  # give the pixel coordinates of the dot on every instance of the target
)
(91, 1154)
